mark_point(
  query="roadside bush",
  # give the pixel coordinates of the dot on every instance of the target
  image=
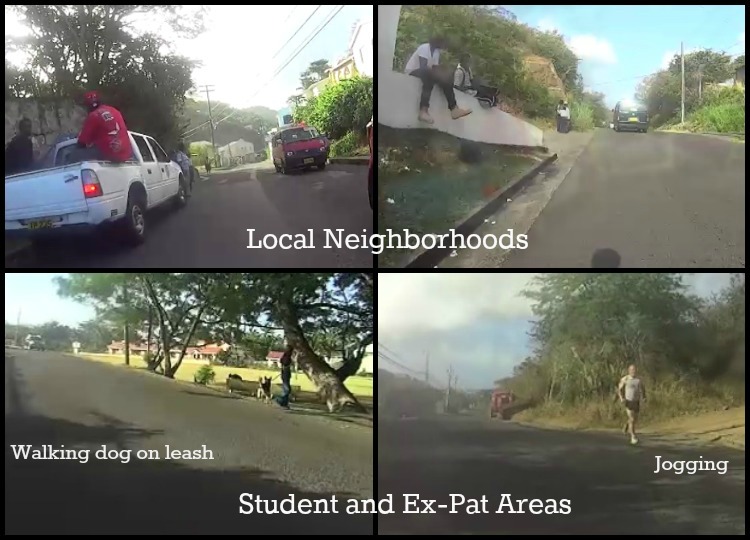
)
(341, 108)
(581, 116)
(345, 146)
(722, 110)
(205, 375)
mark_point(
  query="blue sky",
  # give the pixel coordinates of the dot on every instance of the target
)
(476, 322)
(36, 296)
(618, 45)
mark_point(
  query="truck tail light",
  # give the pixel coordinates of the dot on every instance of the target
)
(91, 186)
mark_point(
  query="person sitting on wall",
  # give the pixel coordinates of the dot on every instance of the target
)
(425, 65)
(464, 81)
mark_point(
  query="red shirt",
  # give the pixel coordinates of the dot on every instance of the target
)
(105, 128)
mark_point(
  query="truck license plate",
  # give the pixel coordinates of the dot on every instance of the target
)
(308, 160)
(40, 224)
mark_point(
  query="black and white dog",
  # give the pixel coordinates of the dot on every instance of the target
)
(264, 389)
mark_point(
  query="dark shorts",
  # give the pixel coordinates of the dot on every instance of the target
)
(632, 405)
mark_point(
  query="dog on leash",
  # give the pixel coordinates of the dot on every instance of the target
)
(264, 389)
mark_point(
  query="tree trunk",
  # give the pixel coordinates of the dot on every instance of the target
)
(330, 388)
(187, 339)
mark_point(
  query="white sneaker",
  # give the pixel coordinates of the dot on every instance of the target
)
(425, 117)
(633, 440)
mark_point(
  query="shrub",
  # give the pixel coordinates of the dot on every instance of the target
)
(345, 146)
(341, 108)
(205, 375)
(581, 116)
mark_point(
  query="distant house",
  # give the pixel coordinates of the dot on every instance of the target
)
(316, 88)
(202, 353)
(361, 48)
(239, 151)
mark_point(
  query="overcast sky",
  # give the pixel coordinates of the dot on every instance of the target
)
(477, 322)
(237, 50)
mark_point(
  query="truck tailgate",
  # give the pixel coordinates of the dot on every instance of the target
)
(47, 193)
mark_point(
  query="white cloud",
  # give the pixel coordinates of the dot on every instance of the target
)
(589, 47)
(424, 302)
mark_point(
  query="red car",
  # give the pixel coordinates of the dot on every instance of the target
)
(369, 136)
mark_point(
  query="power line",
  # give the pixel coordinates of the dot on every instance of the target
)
(296, 53)
(295, 33)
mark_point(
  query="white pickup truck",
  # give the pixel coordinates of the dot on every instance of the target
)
(65, 197)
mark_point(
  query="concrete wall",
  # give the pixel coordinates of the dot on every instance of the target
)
(398, 100)
(49, 120)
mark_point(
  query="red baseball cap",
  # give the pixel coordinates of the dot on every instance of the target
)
(91, 98)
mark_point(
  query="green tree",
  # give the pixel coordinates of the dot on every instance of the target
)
(73, 48)
(187, 304)
(315, 72)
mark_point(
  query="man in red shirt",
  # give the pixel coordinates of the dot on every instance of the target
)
(105, 130)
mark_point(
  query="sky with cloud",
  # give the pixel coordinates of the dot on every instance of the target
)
(620, 45)
(476, 322)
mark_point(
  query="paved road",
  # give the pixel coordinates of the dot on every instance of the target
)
(212, 230)
(611, 486)
(656, 200)
(59, 400)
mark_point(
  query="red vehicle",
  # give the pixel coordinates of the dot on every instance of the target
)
(499, 403)
(369, 137)
(299, 147)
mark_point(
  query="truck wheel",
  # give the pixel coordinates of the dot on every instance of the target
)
(180, 199)
(135, 221)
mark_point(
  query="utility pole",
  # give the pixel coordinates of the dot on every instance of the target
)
(127, 326)
(448, 390)
(682, 55)
(18, 324)
(210, 88)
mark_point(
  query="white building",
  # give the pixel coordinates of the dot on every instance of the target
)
(239, 151)
(361, 47)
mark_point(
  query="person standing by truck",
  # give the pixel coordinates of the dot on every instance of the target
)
(19, 154)
(104, 134)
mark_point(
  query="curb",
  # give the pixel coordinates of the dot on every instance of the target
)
(350, 160)
(431, 257)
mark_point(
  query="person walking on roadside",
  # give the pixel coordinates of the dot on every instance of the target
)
(425, 65)
(286, 376)
(19, 153)
(631, 391)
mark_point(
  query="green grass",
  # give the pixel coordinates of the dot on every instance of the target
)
(359, 386)
(432, 189)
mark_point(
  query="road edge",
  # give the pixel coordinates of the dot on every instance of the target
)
(429, 258)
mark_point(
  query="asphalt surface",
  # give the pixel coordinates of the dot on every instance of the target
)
(611, 486)
(635, 200)
(259, 449)
(212, 230)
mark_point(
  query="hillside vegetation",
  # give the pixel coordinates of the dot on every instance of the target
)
(708, 107)
(689, 351)
(532, 69)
